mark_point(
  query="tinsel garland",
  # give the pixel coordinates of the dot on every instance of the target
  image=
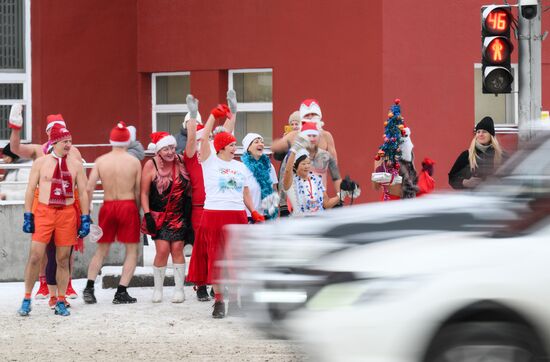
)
(261, 169)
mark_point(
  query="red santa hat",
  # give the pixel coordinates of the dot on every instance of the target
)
(59, 133)
(223, 139)
(310, 106)
(120, 135)
(161, 140)
(53, 119)
(309, 128)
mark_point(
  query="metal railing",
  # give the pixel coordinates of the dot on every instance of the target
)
(98, 194)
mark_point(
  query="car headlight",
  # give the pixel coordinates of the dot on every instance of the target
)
(361, 291)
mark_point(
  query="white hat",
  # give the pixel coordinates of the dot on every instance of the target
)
(132, 131)
(301, 152)
(310, 106)
(188, 117)
(248, 139)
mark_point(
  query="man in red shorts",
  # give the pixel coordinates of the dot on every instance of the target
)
(55, 175)
(120, 175)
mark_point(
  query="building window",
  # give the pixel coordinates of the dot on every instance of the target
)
(502, 108)
(254, 89)
(169, 107)
(15, 82)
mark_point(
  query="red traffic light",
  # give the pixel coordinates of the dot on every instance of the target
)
(497, 50)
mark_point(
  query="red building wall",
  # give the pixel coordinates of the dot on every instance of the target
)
(92, 62)
(84, 67)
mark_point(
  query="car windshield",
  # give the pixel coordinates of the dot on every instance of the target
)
(525, 174)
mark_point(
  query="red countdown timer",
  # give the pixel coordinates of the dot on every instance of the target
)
(497, 50)
(497, 22)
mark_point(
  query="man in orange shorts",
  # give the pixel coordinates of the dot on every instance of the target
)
(55, 176)
(120, 175)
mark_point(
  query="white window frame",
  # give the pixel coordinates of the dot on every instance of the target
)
(503, 127)
(164, 108)
(22, 78)
(251, 106)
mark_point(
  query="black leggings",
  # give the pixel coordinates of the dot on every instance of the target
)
(51, 266)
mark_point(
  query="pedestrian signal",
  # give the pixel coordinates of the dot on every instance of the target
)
(496, 49)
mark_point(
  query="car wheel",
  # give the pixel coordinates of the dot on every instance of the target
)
(484, 342)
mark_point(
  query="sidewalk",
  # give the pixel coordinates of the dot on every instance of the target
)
(141, 331)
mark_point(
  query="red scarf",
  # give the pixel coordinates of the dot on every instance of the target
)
(62, 183)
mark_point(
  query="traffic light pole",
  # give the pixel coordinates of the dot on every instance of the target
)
(529, 58)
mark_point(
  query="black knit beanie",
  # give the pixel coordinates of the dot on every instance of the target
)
(486, 124)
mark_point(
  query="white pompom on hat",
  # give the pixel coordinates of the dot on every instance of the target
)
(120, 135)
(248, 139)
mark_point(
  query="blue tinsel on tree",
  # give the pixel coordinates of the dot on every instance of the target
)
(389, 151)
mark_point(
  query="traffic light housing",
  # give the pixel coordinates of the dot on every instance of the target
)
(496, 49)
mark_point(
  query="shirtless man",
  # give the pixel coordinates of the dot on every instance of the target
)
(310, 111)
(55, 176)
(33, 151)
(120, 175)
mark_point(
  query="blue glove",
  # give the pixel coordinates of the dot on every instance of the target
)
(28, 222)
(85, 222)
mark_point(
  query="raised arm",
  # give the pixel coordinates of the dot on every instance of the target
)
(229, 123)
(287, 178)
(283, 144)
(15, 122)
(205, 144)
(220, 112)
(193, 106)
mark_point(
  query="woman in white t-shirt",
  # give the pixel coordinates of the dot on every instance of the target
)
(263, 189)
(304, 189)
(226, 184)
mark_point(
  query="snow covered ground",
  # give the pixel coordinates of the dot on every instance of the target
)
(141, 331)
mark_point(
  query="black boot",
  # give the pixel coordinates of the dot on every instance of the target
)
(202, 294)
(88, 296)
(219, 310)
(123, 298)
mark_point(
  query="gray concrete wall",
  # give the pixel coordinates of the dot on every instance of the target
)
(15, 244)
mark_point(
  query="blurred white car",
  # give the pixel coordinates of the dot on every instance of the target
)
(447, 277)
(443, 297)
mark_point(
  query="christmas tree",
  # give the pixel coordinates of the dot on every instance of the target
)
(393, 131)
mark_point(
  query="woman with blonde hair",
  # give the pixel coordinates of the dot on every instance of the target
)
(478, 162)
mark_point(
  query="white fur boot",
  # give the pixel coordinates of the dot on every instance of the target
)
(158, 274)
(179, 277)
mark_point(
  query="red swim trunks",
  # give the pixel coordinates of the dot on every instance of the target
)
(119, 220)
